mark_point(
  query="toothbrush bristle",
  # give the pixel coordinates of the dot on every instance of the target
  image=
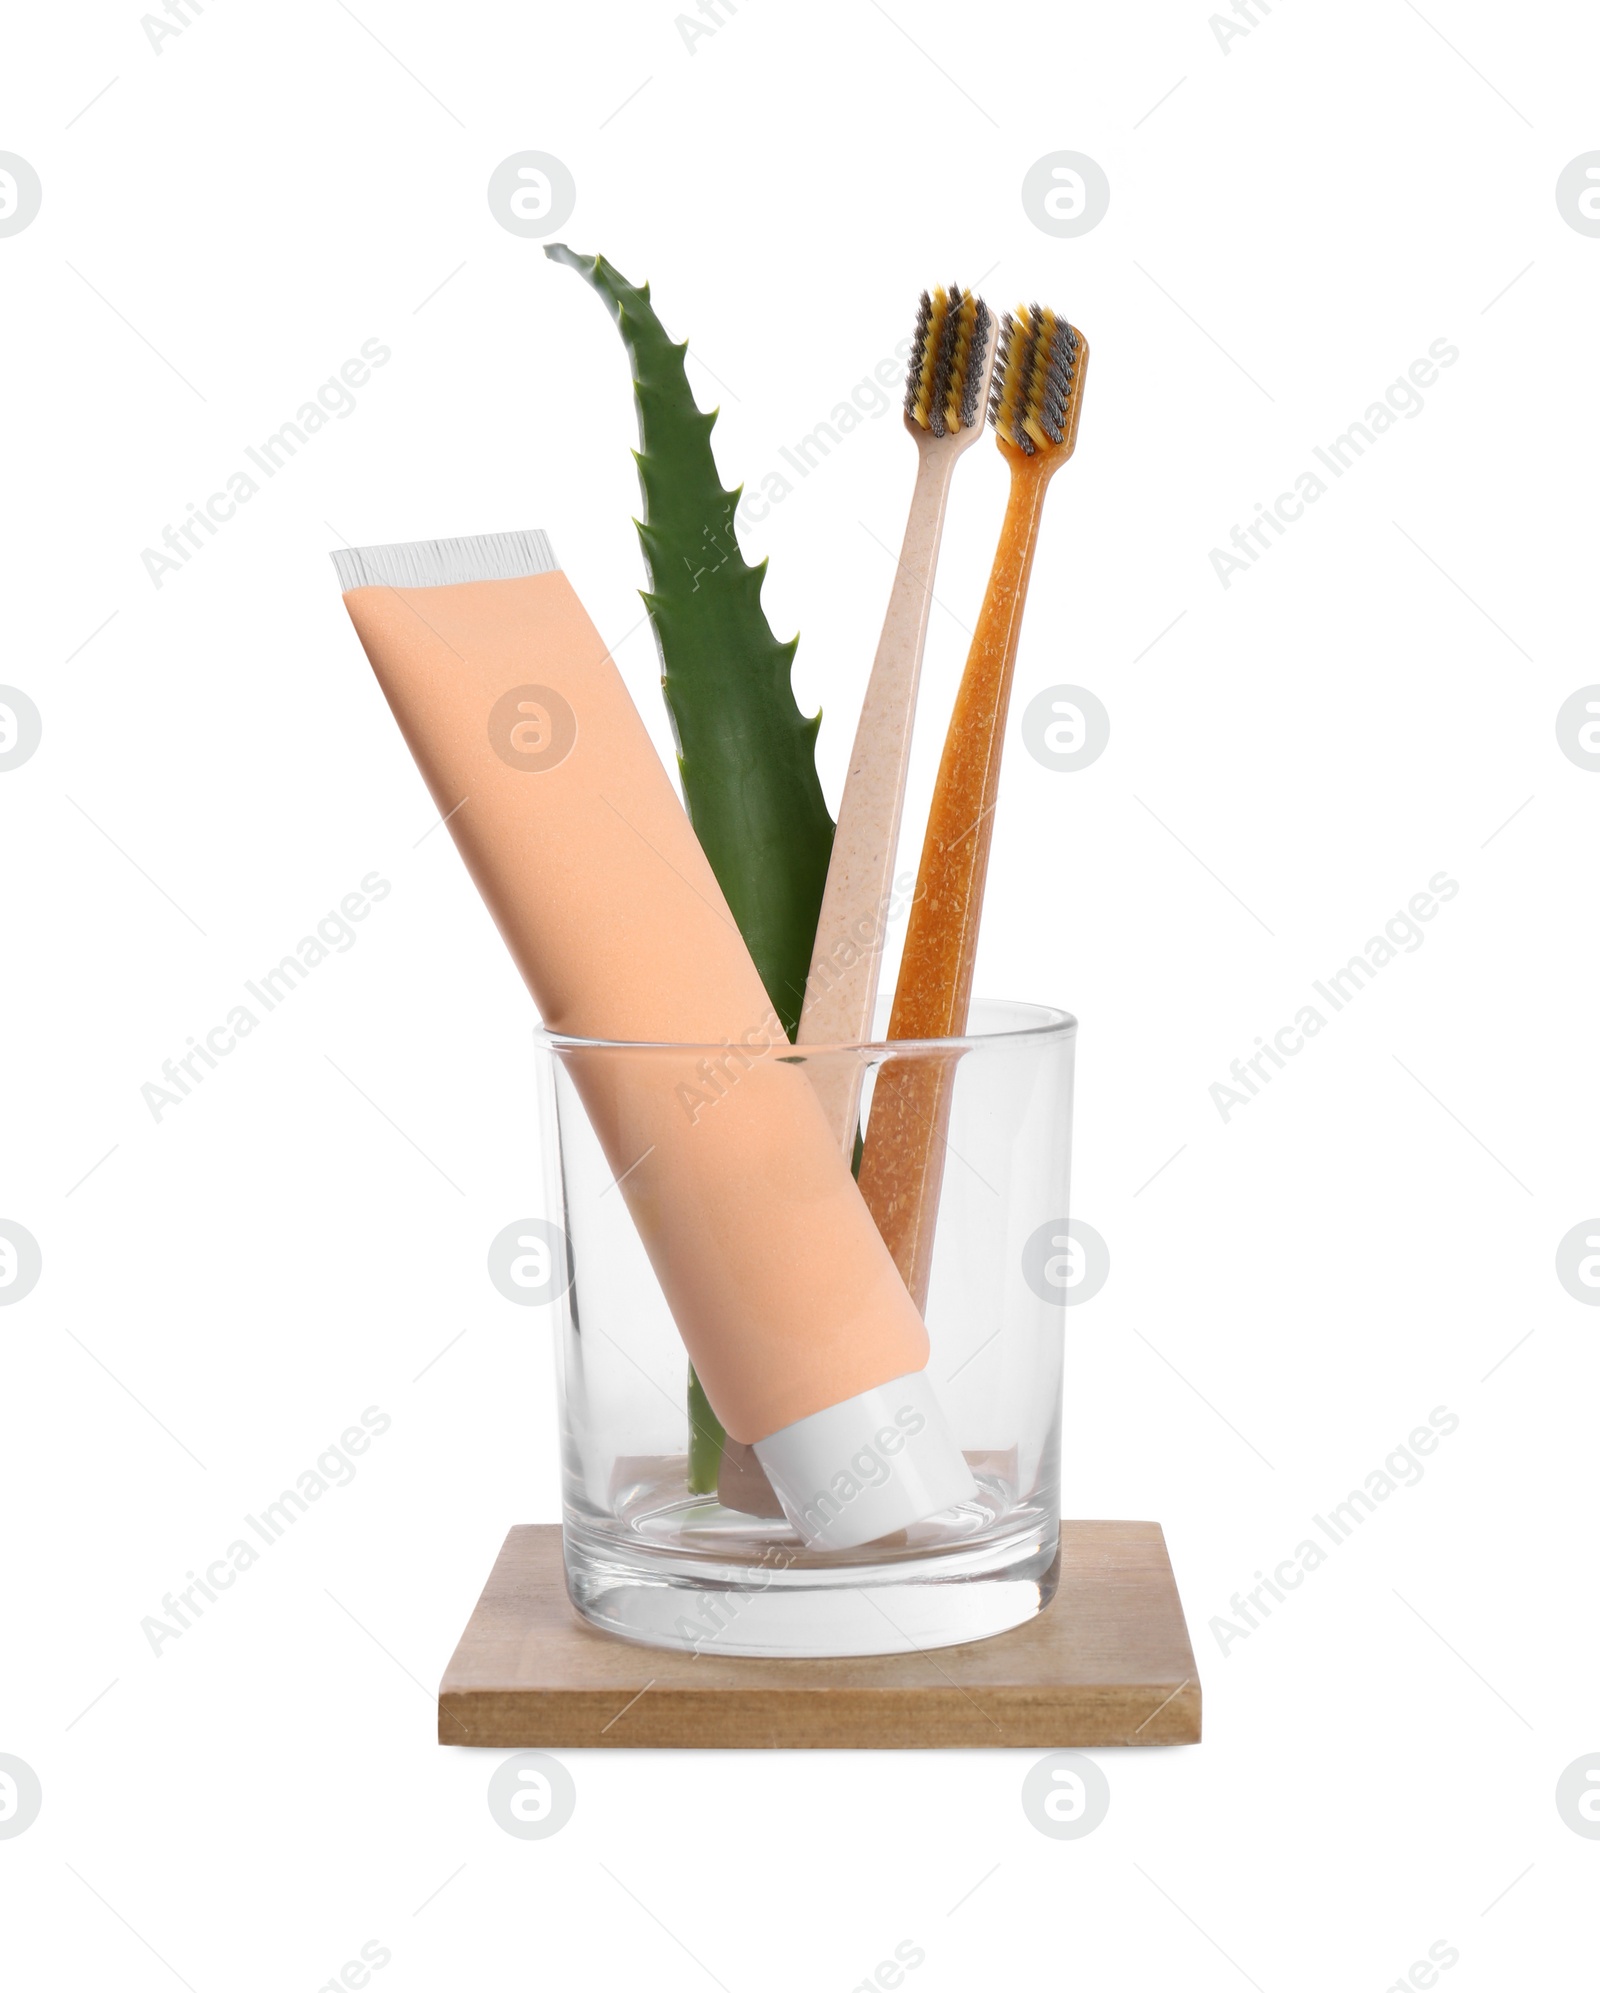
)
(1035, 374)
(944, 379)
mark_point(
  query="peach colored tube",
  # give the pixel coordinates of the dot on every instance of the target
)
(782, 1290)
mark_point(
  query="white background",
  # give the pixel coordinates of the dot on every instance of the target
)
(1294, 224)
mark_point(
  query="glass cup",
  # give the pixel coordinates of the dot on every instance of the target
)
(673, 1538)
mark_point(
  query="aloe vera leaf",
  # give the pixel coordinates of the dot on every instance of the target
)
(746, 753)
(706, 1437)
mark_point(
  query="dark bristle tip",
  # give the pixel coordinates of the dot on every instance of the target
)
(919, 343)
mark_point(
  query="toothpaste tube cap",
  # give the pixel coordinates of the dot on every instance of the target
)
(866, 1467)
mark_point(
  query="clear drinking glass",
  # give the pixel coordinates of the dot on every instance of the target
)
(652, 1560)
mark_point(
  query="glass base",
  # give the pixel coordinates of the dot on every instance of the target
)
(682, 1571)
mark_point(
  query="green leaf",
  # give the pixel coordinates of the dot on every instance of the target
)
(745, 750)
(705, 1440)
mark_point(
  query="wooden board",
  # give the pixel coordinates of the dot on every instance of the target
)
(1107, 1662)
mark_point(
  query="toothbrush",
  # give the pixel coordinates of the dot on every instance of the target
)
(1034, 404)
(947, 381)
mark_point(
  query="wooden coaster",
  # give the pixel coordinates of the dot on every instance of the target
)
(1108, 1662)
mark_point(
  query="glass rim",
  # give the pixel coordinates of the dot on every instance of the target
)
(1045, 1021)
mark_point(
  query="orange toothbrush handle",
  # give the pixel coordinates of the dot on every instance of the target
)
(902, 1166)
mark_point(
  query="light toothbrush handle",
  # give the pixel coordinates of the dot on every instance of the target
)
(843, 984)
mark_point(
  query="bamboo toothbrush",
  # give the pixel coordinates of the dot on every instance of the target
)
(1034, 405)
(947, 380)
